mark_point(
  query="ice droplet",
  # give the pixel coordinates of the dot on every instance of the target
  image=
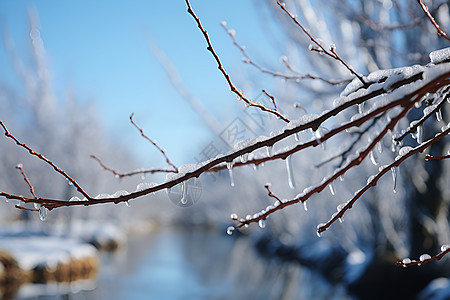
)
(244, 158)
(43, 213)
(419, 134)
(394, 179)
(424, 257)
(341, 177)
(290, 174)
(74, 199)
(230, 230)
(332, 190)
(439, 115)
(262, 223)
(373, 158)
(305, 206)
(406, 261)
(36, 205)
(233, 216)
(127, 203)
(269, 151)
(319, 233)
(380, 147)
(184, 196)
(230, 171)
(341, 220)
(445, 247)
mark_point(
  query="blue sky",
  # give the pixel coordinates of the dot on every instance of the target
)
(101, 50)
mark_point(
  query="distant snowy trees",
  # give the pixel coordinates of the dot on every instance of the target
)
(359, 108)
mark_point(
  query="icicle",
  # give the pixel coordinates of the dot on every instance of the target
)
(439, 115)
(319, 234)
(380, 147)
(255, 167)
(244, 158)
(305, 206)
(360, 108)
(332, 190)
(373, 158)
(341, 177)
(128, 204)
(262, 223)
(419, 134)
(43, 213)
(341, 220)
(269, 151)
(296, 137)
(184, 197)
(230, 170)
(394, 179)
(230, 230)
(289, 172)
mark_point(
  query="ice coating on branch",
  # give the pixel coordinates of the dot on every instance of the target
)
(300, 121)
(440, 56)
(249, 142)
(404, 150)
(145, 185)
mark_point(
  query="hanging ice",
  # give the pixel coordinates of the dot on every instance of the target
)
(269, 151)
(230, 230)
(419, 134)
(424, 257)
(43, 213)
(127, 203)
(439, 115)
(305, 206)
(380, 147)
(184, 195)
(290, 174)
(394, 179)
(230, 170)
(332, 190)
(262, 223)
(233, 216)
(319, 234)
(373, 158)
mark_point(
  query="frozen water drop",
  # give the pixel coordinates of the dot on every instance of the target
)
(341, 220)
(406, 261)
(37, 205)
(341, 178)
(424, 257)
(394, 179)
(262, 223)
(269, 151)
(230, 171)
(230, 230)
(439, 115)
(244, 158)
(127, 203)
(332, 189)
(445, 247)
(319, 233)
(233, 216)
(290, 174)
(184, 196)
(305, 206)
(43, 213)
(380, 147)
(373, 158)
(74, 199)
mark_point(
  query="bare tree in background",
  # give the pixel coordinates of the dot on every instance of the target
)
(380, 86)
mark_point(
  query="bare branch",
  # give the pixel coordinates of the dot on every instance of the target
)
(25, 177)
(42, 157)
(424, 258)
(225, 74)
(331, 53)
(153, 142)
(433, 21)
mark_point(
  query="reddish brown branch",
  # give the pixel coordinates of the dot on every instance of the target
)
(153, 142)
(298, 77)
(26, 208)
(42, 157)
(433, 21)
(331, 52)
(272, 98)
(424, 259)
(132, 173)
(269, 192)
(430, 157)
(233, 88)
(25, 177)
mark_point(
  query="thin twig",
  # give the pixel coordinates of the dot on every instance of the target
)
(426, 259)
(42, 157)
(233, 88)
(430, 157)
(269, 192)
(153, 142)
(332, 52)
(298, 77)
(435, 24)
(272, 98)
(132, 173)
(25, 177)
